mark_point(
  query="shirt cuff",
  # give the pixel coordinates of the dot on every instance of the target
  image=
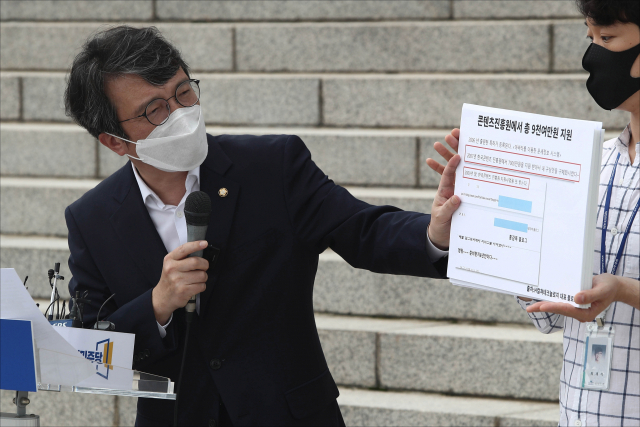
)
(434, 253)
(163, 329)
(524, 304)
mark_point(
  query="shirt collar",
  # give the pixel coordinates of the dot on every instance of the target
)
(624, 138)
(193, 177)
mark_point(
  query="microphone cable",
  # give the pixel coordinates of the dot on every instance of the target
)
(184, 357)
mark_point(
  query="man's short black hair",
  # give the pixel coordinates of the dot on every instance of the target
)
(607, 12)
(111, 53)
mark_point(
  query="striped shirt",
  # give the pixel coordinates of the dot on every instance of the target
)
(620, 405)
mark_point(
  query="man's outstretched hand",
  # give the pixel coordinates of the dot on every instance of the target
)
(444, 205)
(453, 139)
(606, 289)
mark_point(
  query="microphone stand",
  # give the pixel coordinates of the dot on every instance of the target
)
(54, 291)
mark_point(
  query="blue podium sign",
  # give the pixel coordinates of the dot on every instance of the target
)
(17, 356)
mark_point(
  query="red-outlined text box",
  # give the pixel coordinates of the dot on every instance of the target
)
(514, 181)
(523, 163)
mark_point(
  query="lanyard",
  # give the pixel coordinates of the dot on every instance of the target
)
(605, 224)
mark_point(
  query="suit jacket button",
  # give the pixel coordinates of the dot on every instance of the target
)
(215, 364)
(212, 423)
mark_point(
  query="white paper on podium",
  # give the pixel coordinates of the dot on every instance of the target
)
(105, 350)
(60, 363)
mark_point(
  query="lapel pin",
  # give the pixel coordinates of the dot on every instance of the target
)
(223, 192)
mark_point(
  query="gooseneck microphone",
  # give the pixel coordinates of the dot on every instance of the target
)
(197, 210)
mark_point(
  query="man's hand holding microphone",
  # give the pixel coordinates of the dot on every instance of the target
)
(182, 278)
(184, 270)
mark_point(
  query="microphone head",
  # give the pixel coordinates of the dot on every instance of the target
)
(197, 208)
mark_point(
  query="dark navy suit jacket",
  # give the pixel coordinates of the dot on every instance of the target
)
(254, 345)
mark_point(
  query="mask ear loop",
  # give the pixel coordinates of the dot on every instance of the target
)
(124, 139)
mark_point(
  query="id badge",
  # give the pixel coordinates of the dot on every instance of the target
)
(596, 366)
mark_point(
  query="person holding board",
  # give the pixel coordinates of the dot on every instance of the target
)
(606, 392)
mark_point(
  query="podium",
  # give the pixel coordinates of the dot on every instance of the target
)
(34, 357)
(21, 370)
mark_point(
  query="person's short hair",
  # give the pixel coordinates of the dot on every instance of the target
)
(109, 54)
(599, 348)
(607, 12)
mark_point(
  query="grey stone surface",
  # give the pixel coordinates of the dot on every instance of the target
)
(492, 9)
(569, 44)
(354, 160)
(342, 289)
(50, 150)
(309, 10)
(52, 46)
(33, 257)
(436, 101)
(203, 46)
(515, 362)
(372, 416)
(37, 207)
(108, 161)
(428, 177)
(75, 10)
(43, 97)
(257, 100)
(39, 46)
(351, 356)
(10, 96)
(66, 409)
(127, 410)
(384, 408)
(432, 46)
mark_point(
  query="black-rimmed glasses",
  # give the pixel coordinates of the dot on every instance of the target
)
(157, 111)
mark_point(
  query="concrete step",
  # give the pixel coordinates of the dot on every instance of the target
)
(339, 288)
(369, 157)
(389, 157)
(344, 100)
(36, 205)
(514, 361)
(75, 409)
(359, 407)
(325, 47)
(279, 10)
(393, 408)
(509, 9)
(53, 46)
(33, 257)
(76, 10)
(408, 46)
(342, 289)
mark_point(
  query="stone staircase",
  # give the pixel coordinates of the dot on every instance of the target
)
(369, 86)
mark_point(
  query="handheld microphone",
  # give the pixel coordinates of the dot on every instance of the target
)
(197, 210)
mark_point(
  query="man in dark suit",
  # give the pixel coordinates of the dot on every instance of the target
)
(254, 354)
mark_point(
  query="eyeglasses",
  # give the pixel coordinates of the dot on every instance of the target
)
(157, 111)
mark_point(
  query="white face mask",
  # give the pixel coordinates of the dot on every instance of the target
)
(179, 145)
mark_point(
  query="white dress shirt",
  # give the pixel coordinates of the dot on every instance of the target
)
(169, 220)
(620, 405)
(172, 226)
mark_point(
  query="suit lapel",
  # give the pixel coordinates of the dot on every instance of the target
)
(212, 180)
(133, 225)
